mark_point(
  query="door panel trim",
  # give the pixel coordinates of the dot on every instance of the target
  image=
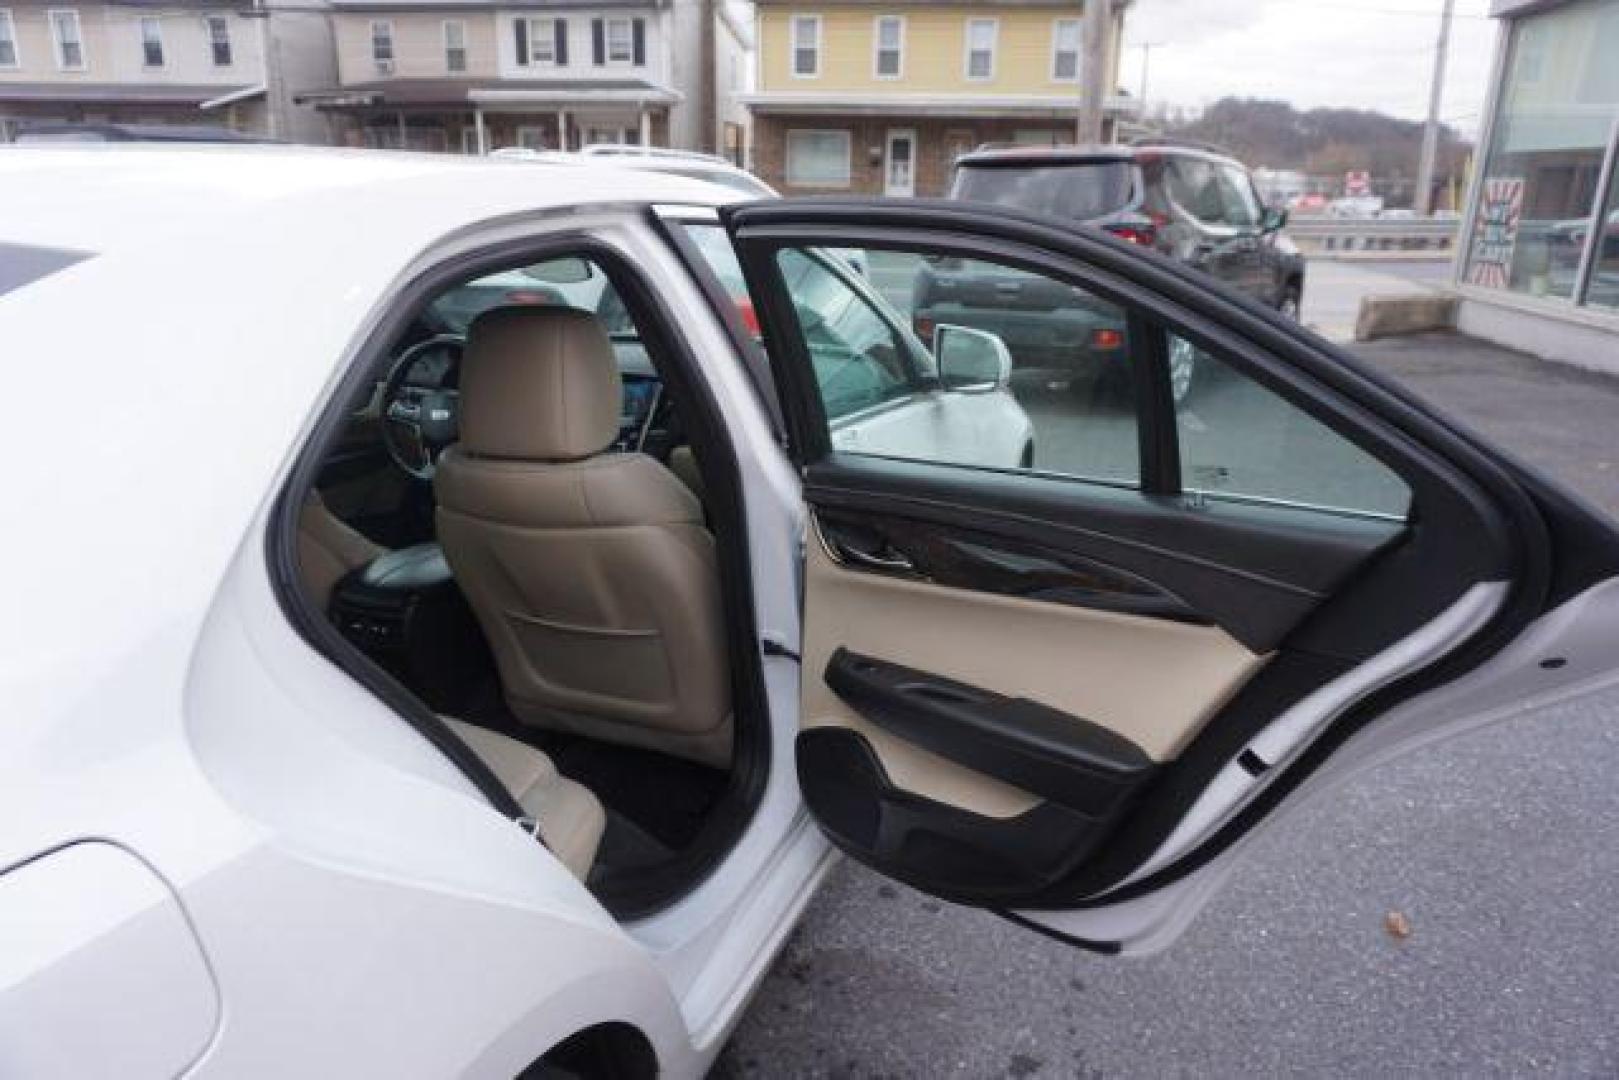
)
(1280, 741)
(980, 561)
(1152, 681)
(1061, 758)
(1254, 571)
(936, 846)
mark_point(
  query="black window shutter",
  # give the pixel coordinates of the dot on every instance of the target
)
(598, 41)
(520, 28)
(562, 42)
(640, 42)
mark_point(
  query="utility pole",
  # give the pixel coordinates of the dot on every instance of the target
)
(1430, 134)
(1096, 47)
(1146, 48)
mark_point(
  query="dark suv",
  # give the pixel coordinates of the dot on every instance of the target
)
(1190, 203)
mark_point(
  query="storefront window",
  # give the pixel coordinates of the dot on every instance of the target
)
(1542, 170)
(1604, 288)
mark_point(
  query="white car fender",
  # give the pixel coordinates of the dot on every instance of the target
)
(355, 812)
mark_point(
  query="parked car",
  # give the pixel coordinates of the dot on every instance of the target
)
(1565, 246)
(689, 163)
(396, 693)
(1355, 206)
(1189, 203)
(709, 167)
(696, 166)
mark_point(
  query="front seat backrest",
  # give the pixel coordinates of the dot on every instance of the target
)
(590, 571)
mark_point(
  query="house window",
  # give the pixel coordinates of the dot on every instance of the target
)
(806, 42)
(455, 45)
(8, 40)
(152, 42)
(542, 42)
(219, 40)
(69, 45)
(621, 41)
(382, 44)
(1065, 34)
(981, 35)
(531, 137)
(890, 44)
(818, 158)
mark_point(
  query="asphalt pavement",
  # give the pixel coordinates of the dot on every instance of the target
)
(1496, 848)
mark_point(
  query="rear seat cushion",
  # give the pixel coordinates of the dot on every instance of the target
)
(570, 818)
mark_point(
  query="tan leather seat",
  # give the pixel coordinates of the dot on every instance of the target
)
(328, 548)
(569, 817)
(591, 572)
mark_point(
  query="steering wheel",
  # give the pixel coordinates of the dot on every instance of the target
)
(418, 422)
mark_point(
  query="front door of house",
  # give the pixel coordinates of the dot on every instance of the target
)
(899, 170)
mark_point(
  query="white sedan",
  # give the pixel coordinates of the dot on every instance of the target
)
(455, 619)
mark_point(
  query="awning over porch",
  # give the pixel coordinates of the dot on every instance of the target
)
(235, 97)
(61, 93)
(491, 94)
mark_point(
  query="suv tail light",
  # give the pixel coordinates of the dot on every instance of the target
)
(749, 315)
(1143, 233)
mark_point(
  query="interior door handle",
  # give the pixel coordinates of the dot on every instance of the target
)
(890, 564)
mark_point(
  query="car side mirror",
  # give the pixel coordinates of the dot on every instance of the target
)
(1274, 219)
(971, 361)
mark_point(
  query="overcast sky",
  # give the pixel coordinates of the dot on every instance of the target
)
(1370, 54)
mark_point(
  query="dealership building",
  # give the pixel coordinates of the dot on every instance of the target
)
(1538, 268)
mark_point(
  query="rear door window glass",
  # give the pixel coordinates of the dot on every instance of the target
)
(1240, 441)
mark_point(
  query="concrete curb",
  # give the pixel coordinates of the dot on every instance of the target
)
(1388, 316)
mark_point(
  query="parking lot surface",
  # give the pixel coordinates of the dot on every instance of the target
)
(1496, 848)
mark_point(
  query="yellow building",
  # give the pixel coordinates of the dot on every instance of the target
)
(881, 97)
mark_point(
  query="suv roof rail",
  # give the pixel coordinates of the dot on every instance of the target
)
(1176, 142)
(1012, 149)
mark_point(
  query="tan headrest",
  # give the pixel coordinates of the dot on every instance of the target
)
(538, 384)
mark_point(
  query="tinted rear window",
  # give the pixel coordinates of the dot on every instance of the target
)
(1075, 190)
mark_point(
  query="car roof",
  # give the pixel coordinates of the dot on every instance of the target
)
(93, 197)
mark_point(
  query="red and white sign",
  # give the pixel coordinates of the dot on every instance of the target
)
(1495, 232)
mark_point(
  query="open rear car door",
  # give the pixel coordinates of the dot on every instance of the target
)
(1067, 689)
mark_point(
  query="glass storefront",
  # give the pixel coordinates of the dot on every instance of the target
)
(1603, 290)
(1554, 133)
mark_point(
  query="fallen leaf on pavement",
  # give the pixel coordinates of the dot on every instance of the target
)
(1397, 925)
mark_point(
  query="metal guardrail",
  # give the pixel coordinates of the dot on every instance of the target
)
(1350, 238)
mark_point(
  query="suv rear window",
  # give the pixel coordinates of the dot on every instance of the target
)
(1080, 189)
